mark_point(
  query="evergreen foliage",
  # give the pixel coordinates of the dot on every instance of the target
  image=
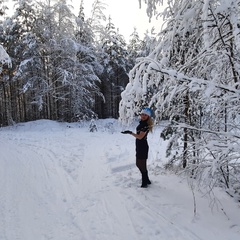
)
(58, 63)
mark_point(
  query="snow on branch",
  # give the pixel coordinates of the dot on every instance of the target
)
(183, 125)
(4, 57)
(151, 8)
(193, 80)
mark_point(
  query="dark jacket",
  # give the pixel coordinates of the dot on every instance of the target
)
(142, 144)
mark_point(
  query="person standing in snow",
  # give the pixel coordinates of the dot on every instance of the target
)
(142, 130)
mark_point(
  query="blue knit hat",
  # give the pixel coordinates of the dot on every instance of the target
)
(147, 111)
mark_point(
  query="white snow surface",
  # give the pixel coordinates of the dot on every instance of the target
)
(60, 181)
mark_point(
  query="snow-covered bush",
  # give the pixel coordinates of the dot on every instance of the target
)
(93, 126)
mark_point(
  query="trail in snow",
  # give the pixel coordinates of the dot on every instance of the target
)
(62, 182)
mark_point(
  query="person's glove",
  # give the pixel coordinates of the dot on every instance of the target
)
(127, 132)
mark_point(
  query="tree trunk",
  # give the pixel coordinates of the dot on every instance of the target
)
(185, 130)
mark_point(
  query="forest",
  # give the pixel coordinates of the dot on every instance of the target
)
(67, 68)
(64, 67)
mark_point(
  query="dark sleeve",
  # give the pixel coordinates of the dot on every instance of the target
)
(145, 128)
(142, 128)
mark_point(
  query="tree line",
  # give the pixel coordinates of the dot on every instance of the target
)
(64, 67)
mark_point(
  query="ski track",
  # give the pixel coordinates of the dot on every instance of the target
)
(67, 190)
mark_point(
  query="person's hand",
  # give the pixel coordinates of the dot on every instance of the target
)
(127, 132)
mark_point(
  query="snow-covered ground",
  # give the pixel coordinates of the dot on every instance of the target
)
(61, 182)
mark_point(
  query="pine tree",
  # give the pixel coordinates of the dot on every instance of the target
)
(114, 59)
(55, 69)
(135, 48)
(15, 31)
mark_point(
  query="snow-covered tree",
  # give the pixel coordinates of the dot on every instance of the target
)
(135, 48)
(14, 30)
(55, 69)
(3, 7)
(4, 58)
(114, 58)
(4, 61)
(97, 18)
(63, 75)
(84, 32)
(192, 79)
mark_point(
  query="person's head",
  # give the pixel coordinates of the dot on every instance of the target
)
(146, 115)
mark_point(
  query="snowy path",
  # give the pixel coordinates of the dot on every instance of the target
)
(69, 184)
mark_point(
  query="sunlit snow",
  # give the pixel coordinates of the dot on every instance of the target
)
(60, 181)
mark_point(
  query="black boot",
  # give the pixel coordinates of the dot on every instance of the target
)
(148, 181)
(144, 180)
